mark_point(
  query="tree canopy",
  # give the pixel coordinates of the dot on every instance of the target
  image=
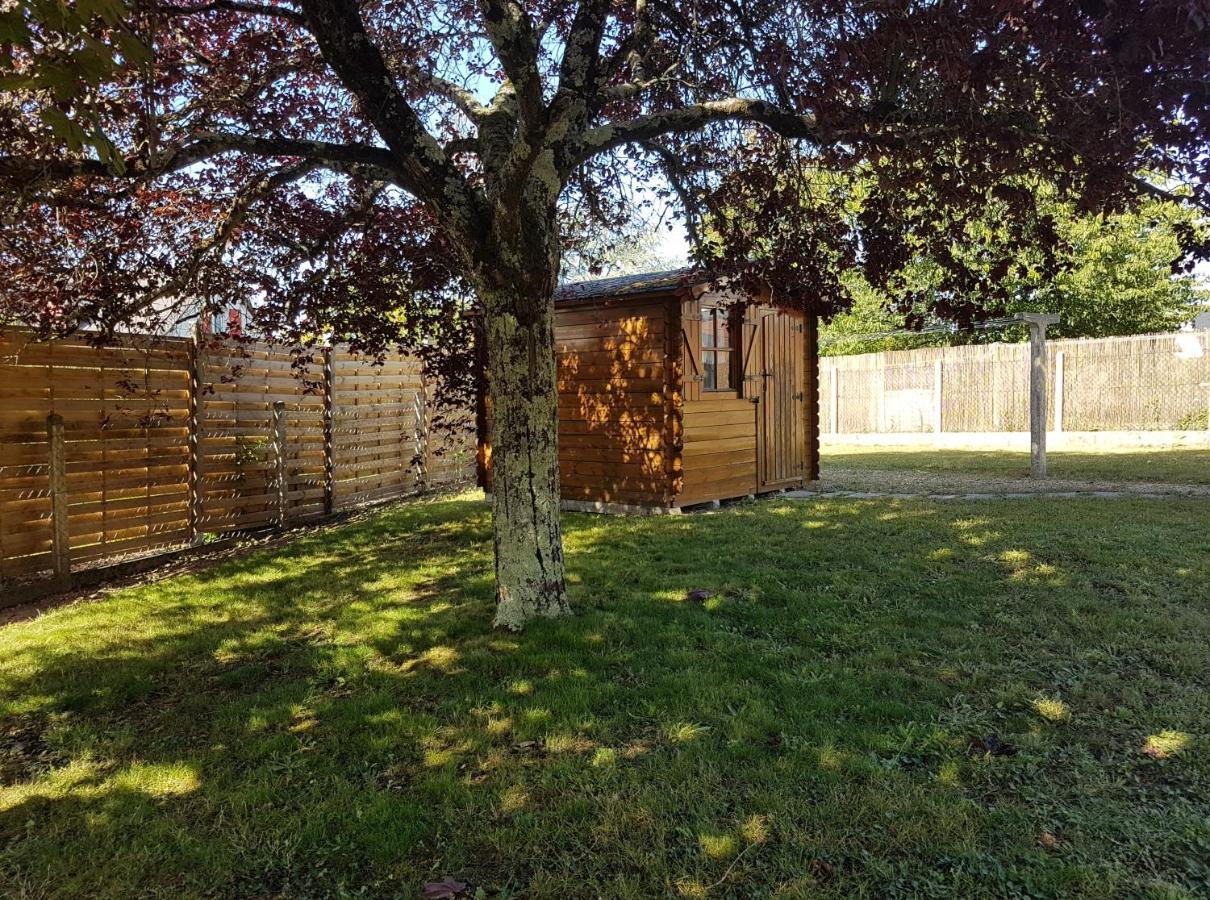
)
(330, 158)
(1108, 274)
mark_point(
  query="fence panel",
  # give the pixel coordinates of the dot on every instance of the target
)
(450, 456)
(239, 384)
(125, 410)
(1146, 382)
(986, 388)
(375, 415)
(165, 439)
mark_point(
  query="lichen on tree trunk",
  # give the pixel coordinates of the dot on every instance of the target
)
(525, 458)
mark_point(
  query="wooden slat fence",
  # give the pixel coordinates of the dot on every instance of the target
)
(374, 427)
(236, 455)
(166, 440)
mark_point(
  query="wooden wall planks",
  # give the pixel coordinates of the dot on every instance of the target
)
(165, 440)
(613, 408)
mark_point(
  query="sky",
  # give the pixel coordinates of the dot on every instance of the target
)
(674, 243)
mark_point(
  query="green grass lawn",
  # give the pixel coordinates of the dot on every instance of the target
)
(335, 718)
(1176, 466)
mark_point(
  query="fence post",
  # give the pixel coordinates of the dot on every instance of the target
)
(329, 457)
(1037, 323)
(422, 435)
(937, 407)
(60, 539)
(883, 360)
(834, 400)
(279, 460)
(195, 386)
(1060, 371)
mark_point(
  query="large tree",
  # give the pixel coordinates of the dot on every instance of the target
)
(327, 157)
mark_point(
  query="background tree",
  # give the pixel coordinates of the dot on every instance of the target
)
(1114, 274)
(326, 157)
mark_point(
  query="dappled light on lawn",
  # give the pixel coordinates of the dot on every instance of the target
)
(1167, 743)
(817, 698)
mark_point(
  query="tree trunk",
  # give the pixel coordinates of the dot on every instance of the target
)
(524, 432)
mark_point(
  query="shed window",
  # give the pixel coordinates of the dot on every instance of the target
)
(716, 350)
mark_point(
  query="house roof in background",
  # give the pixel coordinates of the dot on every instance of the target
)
(629, 285)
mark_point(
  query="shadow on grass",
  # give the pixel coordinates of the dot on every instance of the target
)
(336, 715)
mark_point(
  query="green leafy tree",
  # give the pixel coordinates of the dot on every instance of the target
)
(1121, 278)
(1111, 274)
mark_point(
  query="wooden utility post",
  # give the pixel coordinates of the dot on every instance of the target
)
(1037, 323)
(60, 548)
(279, 461)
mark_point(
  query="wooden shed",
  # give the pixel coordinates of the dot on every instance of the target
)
(674, 394)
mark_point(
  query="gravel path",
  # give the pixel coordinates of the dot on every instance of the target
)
(899, 483)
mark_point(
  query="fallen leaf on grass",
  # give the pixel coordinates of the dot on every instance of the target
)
(445, 889)
(993, 746)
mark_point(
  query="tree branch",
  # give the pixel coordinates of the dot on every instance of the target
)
(422, 166)
(511, 33)
(241, 6)
(581, 52)
(678, 178)
(691, 118)
(458, 95)
(630, 49)
(349, 159)
(263, 186)
(1143, 186)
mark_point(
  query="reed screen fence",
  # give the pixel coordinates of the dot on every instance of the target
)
(1154, 382)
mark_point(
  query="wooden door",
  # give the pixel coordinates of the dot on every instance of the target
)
(781, 444)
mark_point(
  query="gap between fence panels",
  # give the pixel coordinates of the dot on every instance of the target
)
(128, 448)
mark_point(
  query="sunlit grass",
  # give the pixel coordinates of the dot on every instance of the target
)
(1167, 743)
(1052, 709)
(876, 699)
(1178, 465)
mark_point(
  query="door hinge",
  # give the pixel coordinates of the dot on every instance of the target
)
(796, 396)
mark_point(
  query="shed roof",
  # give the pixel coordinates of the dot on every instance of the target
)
(629, 285)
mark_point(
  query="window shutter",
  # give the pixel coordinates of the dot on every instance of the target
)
(691, 338)
(750, 365)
